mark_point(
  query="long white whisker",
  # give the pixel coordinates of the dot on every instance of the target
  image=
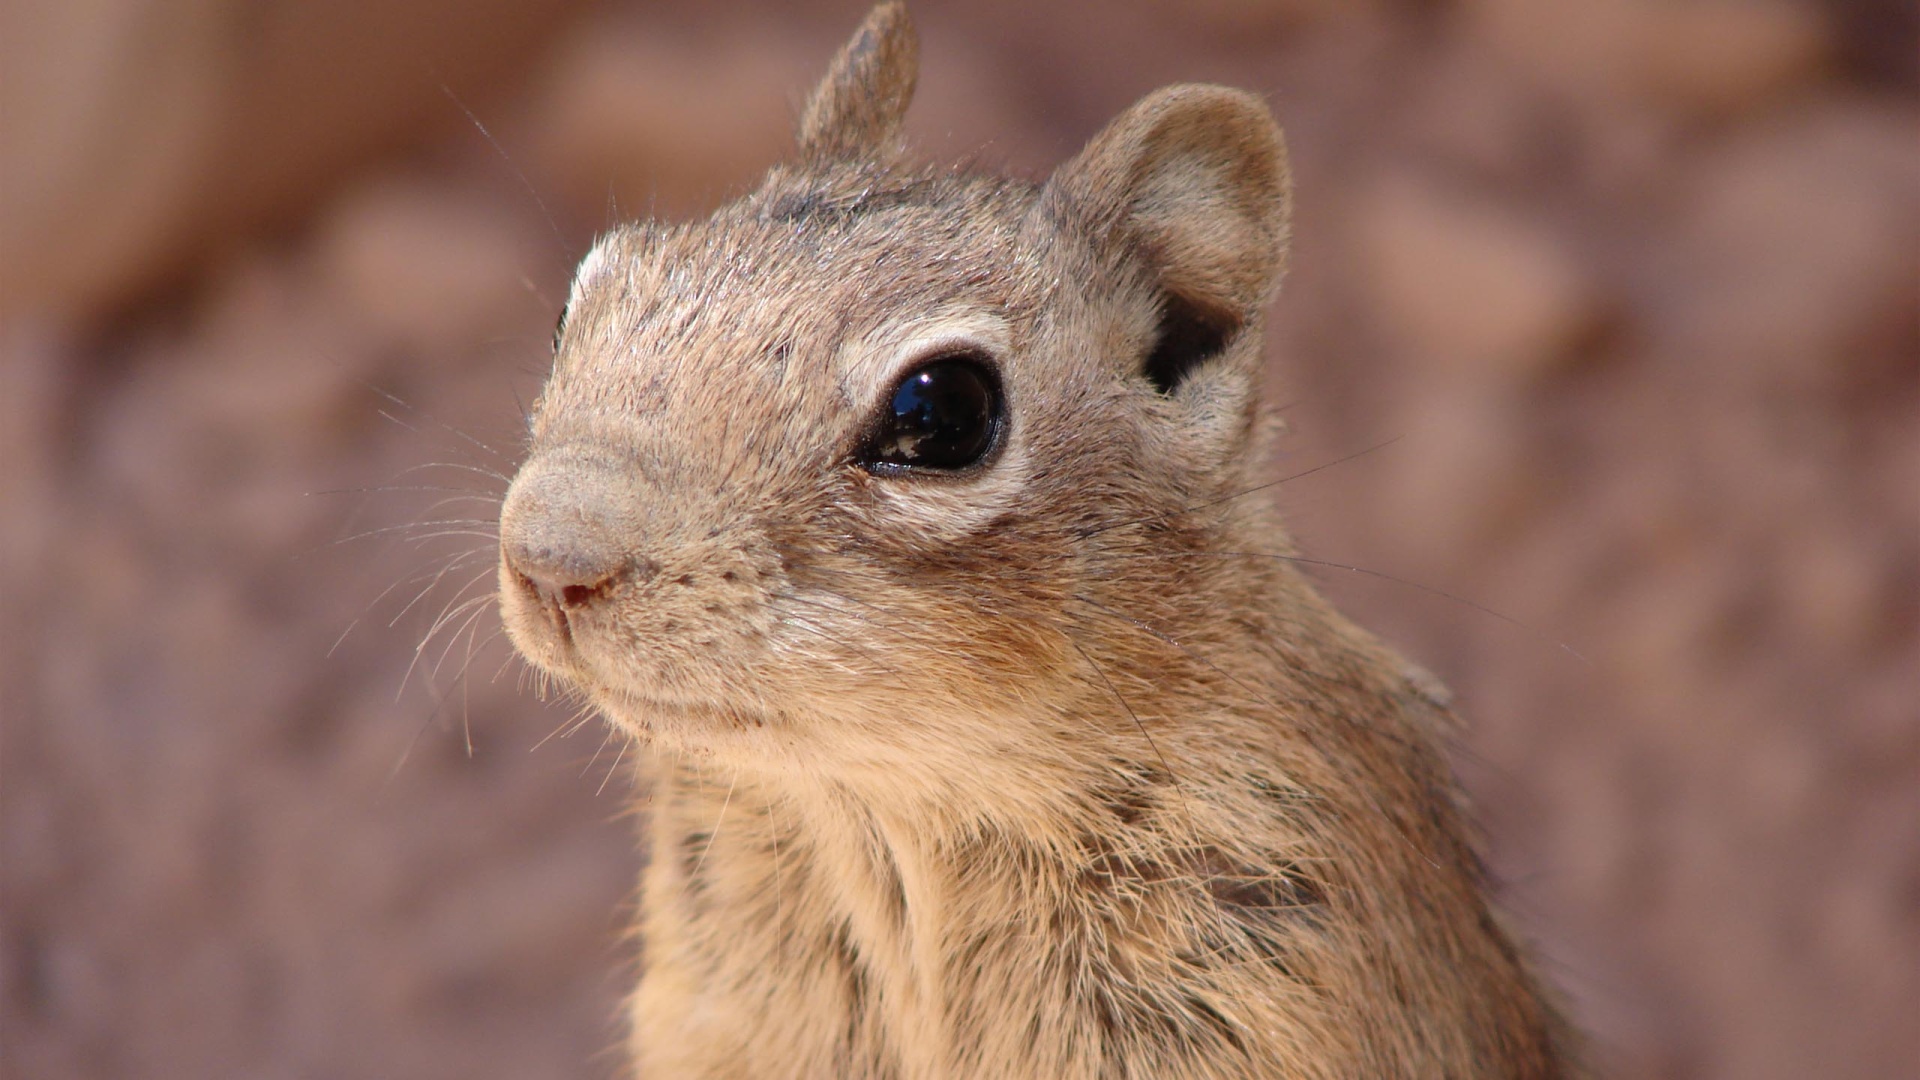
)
(613, 768)
(714, 833)
(448, 428)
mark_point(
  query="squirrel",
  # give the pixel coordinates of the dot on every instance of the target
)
(900, 514)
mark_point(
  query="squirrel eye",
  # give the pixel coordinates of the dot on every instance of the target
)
(943, 415)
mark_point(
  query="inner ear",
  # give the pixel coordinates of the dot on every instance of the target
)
(1189, 334)
(1187, 189)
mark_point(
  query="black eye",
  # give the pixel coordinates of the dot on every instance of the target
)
(943, 415)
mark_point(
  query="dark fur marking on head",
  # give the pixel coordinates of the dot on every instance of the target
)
(813, 205)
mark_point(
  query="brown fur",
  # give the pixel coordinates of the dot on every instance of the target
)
(1047, 770)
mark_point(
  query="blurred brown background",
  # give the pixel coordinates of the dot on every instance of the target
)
(1633, 283)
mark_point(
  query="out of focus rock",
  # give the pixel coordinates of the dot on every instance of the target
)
(112, 108)
(1715, 56)
(1845, 588)
(1793, 236)
(430, 269)
(635, 122)
(1467, 479)
(140, 134)
(1468, 284)
(1691, 56)
(1473, 111)
(35, 377)
(1263, 16)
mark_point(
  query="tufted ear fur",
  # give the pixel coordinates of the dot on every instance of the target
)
(855, 112)
(1193, 181)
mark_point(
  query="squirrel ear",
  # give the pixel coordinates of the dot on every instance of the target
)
(855, 112)
(1194, 180)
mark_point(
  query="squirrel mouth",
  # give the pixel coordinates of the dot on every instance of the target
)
(640, 700)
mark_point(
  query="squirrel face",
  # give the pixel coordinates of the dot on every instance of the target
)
(837, 472)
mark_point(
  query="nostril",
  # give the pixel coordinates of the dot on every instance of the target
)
(564, 581)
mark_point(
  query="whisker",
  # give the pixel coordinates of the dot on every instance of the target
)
(405, 755)
(445, 501)
(459, 562)
(474, 646)
(441, 528)
(481, 470)
(453, 495)
(613, 768)
(714, 833)
(1240, 494)
(581, 714)
(525, 411)
(456, 607)
(457, 466)
(532, 192)
(1332, 565)
(419, 651)
(453, 562)
(534, 290)
(604, 740)
(417, 430)
(1178, 787)
(512, 655)
(458, 494)
(466, 627)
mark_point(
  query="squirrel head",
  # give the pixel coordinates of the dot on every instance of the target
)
(849, 469)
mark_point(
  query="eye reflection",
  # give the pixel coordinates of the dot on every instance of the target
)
(943, 415)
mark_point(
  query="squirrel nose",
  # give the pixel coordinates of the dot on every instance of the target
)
(561, 580)
(561, 539)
